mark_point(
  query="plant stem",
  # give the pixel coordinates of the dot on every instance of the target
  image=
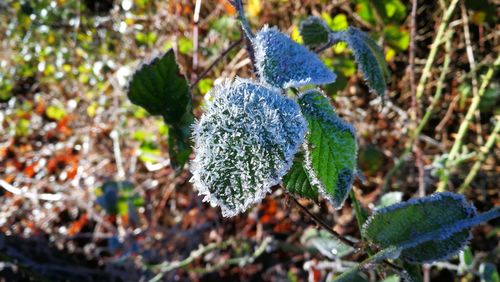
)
(323, 224)
(434, 48)
(464, 126)
(435, 99)
(238, 5)
(217, 60)
(358, 211)
(481, 157)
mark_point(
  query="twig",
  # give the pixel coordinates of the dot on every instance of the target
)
(169, 266)
(472, 63)
(481, 157)
(434, 48)
(240, 261)
(464, 126)
(217, 60)
(415, 112)
(196, 19)
(323, 224)
(427, 115)
(30, 195)
(117, 152)
(238, 5)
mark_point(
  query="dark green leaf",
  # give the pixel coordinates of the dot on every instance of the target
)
(331, 148)
(161, 89)
(297, 181)
(370, 59)
(426, 229)
(315, 33)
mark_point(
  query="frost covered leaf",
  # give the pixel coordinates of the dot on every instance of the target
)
(283, 63)
(297, 181)
(245, 143)
(162, 90)
(315, 33)
(330, 148)
(428, 229)
(370, 59)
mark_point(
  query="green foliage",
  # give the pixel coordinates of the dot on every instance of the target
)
(325, 243)
(407, 225)
(315, 33)
(370, 59)
(330, 148)
(488, 272)
(297, 180)
(119, 198)
(161, 89)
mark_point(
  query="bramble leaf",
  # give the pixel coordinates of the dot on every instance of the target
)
(161, 89)
(330, 148)
(426, 229)
(368, 55)
(283, 63)
(315, 33)
(297, 181)
(245, 143)
(370, 59)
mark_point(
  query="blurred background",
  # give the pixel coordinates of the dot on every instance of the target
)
(86, 189)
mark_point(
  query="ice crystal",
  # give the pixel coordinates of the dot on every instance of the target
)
(283, 63)
(245, 143)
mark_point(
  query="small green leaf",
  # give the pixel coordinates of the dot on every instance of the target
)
(315, 33)
(330, 148)
(426, 229)
(488, 272)
(412, 272)
(161, 89)
(388, 199)
(118, 197)
(370, 59)
(325, 243)
(397, 37)
(297, 181)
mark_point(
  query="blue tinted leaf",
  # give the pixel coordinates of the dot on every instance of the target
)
(283, 63)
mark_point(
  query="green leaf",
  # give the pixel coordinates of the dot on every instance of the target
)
(325, 243)
(388, 199)
(412, 272)
(488, 272)
(397, 37)
(330, 148)
(118, 197)
(297, 181)
(426, 229)
(315, 33)
(161, 89)
(370, 59)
